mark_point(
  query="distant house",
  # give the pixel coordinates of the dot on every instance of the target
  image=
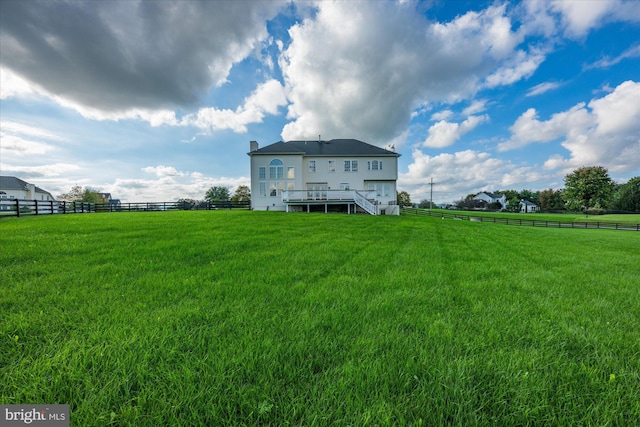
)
(105, 198)
(337, 175)
(12, 188)
(528, 207)
(489, 198)
(15, 188)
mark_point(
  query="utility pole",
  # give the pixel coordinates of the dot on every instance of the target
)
(431, 196)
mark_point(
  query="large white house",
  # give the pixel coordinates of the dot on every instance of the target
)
(344, 175)
(15, 188)
(492, 198)
(12, 188)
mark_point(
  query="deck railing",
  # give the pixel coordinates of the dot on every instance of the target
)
(317, 195)
(322, 195)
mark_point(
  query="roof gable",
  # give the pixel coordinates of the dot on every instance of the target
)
(334, 147)
(13, 183)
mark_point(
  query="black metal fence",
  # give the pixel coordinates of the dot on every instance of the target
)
(525, 222)
(20, 207)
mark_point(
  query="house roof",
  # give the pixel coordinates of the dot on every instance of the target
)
(13, 183)
(334, 147)
(492, 195)
(527, 202)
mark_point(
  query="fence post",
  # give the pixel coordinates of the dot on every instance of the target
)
(17, 207)
(36, 202)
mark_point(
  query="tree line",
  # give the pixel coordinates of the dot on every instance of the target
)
(588, 188)
(214, 194)
(218, 194)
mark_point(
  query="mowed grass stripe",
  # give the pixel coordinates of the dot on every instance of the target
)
(254, 318)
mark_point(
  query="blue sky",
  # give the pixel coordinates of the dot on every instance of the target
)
(155, 101)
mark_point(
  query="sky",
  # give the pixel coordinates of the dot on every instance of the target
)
(158, 100)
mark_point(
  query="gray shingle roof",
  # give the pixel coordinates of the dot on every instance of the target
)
(13, 183)
(334, 147)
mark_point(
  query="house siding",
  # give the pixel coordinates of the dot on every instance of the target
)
(306, 177)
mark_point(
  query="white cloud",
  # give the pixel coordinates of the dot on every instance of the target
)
(579, 17)
(522, 65)
(477, 106)
(346, 75)
(23, 140)
(528, 129)
(9, 127)
(50, 170)
(606, 62)
(266, 99)
(169, 188)
(444, 134)
(575, 18)
(458, 174)
(604, 132)
(12, 85)
(160, 54)
(442, 115)
(12, 144)
(541, 88)
(162, 171)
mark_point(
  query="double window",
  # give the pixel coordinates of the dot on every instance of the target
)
(382, 189)
(351, 166)
(276, 169)
(312, 166)
(276, 183)
(374, 165)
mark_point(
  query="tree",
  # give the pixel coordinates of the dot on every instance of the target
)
(589, 187)
(509, 194)
(404, 199)
(627, 198)
(242, 194)
(551, 200)
(532, 196)
(426, 204)
(90, 196)
(469, 203)
(75, 195)
(513, 205)
(217, 193)
(79, 194)
(187, 204)
(495, 206)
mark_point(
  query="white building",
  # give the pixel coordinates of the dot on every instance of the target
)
(528, 207)
(15, 188)
(492, 198)
(343, 175)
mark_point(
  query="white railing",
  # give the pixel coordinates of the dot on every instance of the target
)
(365, 203)
(320, 195)
(317, 195)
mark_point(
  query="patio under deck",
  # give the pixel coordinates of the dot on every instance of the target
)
(311, 199)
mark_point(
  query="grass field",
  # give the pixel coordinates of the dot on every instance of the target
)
(554, 217)
(262, 318)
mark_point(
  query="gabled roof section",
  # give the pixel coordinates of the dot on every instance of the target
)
(492, 195)
(334, 147)
(13, 183)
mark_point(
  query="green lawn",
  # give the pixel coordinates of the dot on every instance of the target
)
(263, 318)
(564, 217)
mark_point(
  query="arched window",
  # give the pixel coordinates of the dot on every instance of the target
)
(276, 169)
